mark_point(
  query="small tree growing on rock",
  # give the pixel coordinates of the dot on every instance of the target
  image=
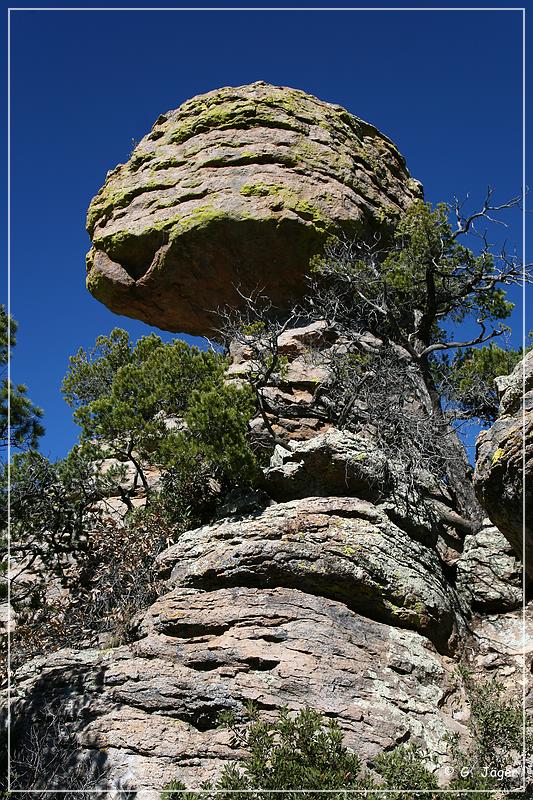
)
(414, 296)
(161, 404)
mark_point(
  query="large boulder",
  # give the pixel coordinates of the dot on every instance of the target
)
(237, 187)
(338, 547)
(149, 711)
(504, 466)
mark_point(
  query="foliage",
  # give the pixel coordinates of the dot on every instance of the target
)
(468, 380)
(161, 404)
(98, 594)
(90, 375)
(304, 751)
(188, 492)
(80, 570)
(493, 758)
(380, 391)
(404, 768)
(75, 571)
(51, 505)
(408, 292)
(292, 752)
(20, 419)
(44, 758)
(217, 422)
(417, 293)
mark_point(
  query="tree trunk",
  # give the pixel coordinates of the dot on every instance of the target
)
(460, 471)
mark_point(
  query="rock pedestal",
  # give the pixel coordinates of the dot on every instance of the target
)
(339, 597)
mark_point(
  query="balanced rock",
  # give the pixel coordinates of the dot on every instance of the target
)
(237, 188)
(503, 487)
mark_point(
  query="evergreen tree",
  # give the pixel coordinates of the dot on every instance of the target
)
(161, 404)
(20, 419)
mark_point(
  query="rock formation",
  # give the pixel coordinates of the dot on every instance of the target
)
(236, 188)
(504, 466)
(338, 598)
(344, 583)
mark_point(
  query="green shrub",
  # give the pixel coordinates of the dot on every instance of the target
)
(294, 752)
(492, 760)
(306, 752)
(404, 768)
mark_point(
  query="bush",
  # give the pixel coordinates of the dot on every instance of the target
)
(305, 751)
(404, 768)
(112, 580)
(300, 752)
(467, 381)
(492, 760)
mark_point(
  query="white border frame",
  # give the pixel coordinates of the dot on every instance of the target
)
(274, 9)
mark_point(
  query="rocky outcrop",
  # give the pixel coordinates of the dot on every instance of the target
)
(151, 708)
(342, 548)
(504, 466)
(237, 187)
(488, 572)
(342, 584)
(349, 580)
(331, 463)
(147, 712)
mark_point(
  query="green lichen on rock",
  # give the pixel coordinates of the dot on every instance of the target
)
(229, 114)
(108, 201)
(260, 189)
(498, 453)
(200, 218)
(240, 186)
(289, 199)
(412, 613)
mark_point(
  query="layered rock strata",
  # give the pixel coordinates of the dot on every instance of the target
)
(341, 599)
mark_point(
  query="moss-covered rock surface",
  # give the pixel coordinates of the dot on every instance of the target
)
(237, 187)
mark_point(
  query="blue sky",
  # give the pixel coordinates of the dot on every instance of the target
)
(444, 85)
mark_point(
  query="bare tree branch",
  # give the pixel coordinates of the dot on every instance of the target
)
(482, 337)
(465, 223)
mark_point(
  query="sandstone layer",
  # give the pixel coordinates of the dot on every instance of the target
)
(504, 466)
(237, 188)
(351, 598)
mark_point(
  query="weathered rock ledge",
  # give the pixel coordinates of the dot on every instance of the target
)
(342, 548)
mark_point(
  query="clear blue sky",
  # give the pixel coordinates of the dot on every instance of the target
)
(444, 85)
